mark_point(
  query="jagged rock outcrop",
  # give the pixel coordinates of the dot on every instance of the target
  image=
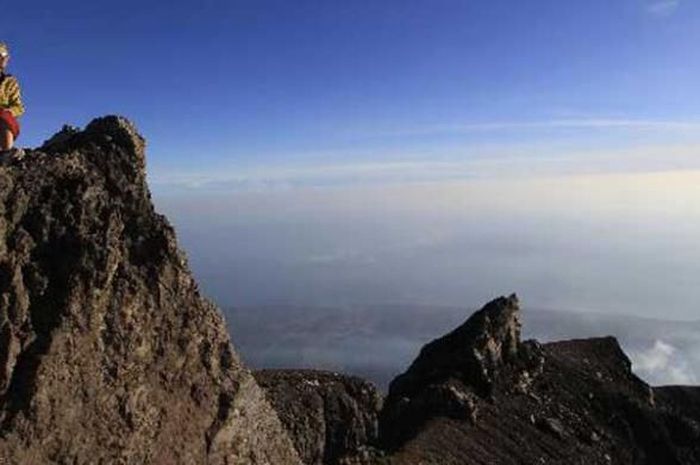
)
(332, 418)
(480, 396)
(454, 371)
(108, 353)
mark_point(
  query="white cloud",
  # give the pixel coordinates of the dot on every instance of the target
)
(656, 358)
(663, 7)
(570, 124)
(663, 364)
(467, 164)
(537, 155)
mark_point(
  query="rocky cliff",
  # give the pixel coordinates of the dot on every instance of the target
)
(108, 353)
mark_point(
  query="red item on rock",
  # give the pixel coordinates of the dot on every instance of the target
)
(7, 119)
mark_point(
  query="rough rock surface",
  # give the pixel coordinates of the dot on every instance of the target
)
(108, 353)
(332, 418)
(453, 372)
(480, 396)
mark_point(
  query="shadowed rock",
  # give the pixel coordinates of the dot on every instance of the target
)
(480, 396)
(108, 353)
(332, 418)
(452, 372)
(471, 353)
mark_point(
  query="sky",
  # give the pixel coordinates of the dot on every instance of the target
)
(225, 87)
(407, 143)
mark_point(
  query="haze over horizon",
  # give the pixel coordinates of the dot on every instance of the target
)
(616, 243)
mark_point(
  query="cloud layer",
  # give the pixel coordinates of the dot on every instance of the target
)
(466, 164)
(663, 7)
(663, 364)
(429, 153)
(613, 243)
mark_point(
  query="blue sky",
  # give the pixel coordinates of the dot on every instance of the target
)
(443, 151)
(249, 86)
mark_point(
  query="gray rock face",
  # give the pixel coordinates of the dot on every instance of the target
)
(332, 418)
(108, 353)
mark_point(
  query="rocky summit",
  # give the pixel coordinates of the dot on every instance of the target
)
(110, 355)
(481, 396)
(108, 352)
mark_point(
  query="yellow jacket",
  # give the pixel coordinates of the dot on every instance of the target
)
(10, 95)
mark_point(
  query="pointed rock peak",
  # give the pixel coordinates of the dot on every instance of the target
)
(493, 332)
(110, 135)
(453, 372)
(472, 353)
(122, 131)
(110, 128)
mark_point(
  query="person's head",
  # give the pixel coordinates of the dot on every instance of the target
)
(4, 55)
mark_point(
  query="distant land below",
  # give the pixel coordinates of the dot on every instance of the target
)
(377, 342)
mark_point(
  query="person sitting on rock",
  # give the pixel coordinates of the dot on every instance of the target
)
(11, 108)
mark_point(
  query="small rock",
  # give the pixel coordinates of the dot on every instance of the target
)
(552, 426)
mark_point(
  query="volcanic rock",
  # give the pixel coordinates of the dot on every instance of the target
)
(453, 372)
(332, 418)
(108, 352)
(480, 396)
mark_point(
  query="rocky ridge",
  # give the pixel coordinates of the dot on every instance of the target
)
(481, 396)
(108, 353)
